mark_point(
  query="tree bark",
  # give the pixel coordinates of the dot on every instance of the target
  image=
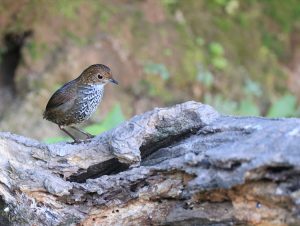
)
(183, 165)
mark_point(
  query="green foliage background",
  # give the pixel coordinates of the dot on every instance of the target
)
(231, 54)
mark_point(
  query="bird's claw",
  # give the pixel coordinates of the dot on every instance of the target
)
(90, 136)
(77, 142)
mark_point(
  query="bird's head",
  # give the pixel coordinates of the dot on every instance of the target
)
(97, 74)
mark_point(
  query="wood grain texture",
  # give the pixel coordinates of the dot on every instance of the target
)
(183, 165)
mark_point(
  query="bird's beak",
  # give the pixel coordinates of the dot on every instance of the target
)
(113, 81)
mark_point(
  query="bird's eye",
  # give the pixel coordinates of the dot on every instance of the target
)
(100, 76)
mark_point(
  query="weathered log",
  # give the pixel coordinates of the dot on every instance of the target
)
(183, 165)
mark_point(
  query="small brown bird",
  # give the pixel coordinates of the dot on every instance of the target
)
(77, 100)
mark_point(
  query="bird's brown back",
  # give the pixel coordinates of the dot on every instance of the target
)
(60, 103)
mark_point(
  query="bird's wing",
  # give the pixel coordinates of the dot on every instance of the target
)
(62, 96)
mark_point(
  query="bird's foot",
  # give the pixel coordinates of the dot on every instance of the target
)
(90, 136)
(77, 142)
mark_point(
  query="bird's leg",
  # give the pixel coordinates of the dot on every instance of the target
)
(83, 132)
(63, 129)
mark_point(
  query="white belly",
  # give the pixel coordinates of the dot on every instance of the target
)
(89, 97)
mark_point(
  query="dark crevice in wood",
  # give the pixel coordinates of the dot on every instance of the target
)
(278, 169)
(4, 220)
(113, 166)
(109, 167)
(148, 149)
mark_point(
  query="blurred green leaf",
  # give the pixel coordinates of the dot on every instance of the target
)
(252, 88)
(68, 8)
(157, 69)
(78, 40)
(53, 140)
(36, 50)
(225, 106)
(200, 41)
(219, 62)
(169, 2)
(217, 52)
(248, 107)
(232, 6)
(104, 17)
(221, 2)
(283, 107)
(204, 76)
(33, 51)
(221, 104)
(216, 49)
(113, 118)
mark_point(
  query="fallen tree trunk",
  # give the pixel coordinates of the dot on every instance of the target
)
(184, 165)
